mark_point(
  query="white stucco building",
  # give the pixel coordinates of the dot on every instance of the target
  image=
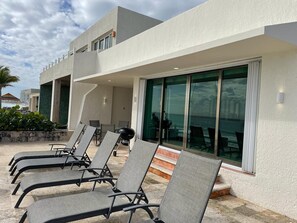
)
(211, 81)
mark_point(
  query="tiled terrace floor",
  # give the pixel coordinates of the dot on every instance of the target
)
(224, 209)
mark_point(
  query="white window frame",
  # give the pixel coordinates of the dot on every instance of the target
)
(102, 43)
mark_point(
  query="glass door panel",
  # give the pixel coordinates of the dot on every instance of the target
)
(174, 110)
(152, 110)
(202, 111)
(232, 113)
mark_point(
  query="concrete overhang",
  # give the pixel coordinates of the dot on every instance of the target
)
(247, 45)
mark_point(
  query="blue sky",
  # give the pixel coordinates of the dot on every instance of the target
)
(34, 33)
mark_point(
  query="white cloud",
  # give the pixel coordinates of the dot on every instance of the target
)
(34, 33)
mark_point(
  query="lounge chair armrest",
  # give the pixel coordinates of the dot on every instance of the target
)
(102, 179)
(137, 206)
(125, 193)
(77, 162)
(56, 144)
(64, 150)
(115, 195)
(84, 169)
(145, 207)
(74, 156)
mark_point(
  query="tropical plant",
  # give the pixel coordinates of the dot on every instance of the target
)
(6, 79)
(14, 120)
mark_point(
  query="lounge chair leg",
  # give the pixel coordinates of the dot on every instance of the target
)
(16, 188)
(23, 218)
(12, 166)
(11, 161)
(20, 200)
(12, 172)
(16, 177)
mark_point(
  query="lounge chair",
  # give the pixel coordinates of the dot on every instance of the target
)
(53, 152)
(98, 168)
(188, 191)
(197, 139)
(102, 200)
(79, 157)
(97, 134)
(104, 128)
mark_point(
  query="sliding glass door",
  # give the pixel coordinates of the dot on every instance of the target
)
(152, 114)
(201, 112)
(174, 110)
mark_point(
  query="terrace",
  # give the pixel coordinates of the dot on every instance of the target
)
(223, 209)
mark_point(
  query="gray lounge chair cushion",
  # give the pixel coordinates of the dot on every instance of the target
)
(188, 191)
(31, 154)
(138, 163)
(54, 177)
(83, 203)
(39, 163)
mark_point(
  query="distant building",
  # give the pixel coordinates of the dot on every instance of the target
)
(25, 95)
(34, 102)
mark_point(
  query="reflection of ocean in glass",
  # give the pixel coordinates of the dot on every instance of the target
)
(174, 107)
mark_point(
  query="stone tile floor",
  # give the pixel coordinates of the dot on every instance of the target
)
(224, 209)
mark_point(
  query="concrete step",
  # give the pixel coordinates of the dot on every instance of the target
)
(160, 171)
(220, 189)
(172, 154)
(164, 161)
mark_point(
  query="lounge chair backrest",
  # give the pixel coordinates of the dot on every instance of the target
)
(136, 167)
(95, 123)
(123, 124)
(188, 191)
(75, 135)
(84, 142)
(105, 149)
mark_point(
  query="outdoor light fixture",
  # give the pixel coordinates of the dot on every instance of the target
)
(104, 100)
(175, 68)
(280, 97)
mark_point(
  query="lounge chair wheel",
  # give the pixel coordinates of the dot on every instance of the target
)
(114, 153)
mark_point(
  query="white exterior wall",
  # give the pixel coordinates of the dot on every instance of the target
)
(78, 94)
(94, 107)
(104, 25)
(203, 24)
(275, 182)
(132, 23)
(122, 105)
(62, 69)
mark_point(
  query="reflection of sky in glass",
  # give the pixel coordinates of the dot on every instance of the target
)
(175, 99)
(156, 99)
(204, 99)
(233, 98)
(204, 94)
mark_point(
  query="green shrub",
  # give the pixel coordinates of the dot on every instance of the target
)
(14, 120)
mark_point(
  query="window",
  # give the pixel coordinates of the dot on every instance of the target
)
(102, 43)
(83, 49)
(202, 112)
(173, 110)
(152, 110)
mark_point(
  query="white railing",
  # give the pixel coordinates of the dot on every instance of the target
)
(65, 56)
